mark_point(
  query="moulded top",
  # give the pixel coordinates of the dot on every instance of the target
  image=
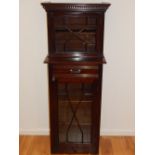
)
(75, 60)
(75, 6)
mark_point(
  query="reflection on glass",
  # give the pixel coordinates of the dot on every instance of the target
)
(75, 34)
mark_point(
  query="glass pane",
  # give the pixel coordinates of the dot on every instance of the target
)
(75, 34)
(75, 102)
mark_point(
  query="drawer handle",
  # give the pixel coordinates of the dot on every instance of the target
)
(75, 71)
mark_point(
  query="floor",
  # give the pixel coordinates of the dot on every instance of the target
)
(40, 145)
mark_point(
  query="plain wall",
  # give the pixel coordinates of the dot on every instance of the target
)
(117, 117)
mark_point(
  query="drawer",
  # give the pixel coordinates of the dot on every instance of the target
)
(75, 71)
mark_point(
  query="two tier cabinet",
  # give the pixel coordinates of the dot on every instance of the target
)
(75, 61)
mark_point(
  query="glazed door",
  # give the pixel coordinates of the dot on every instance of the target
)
(74, 112)
(76, 126)
(75, 34)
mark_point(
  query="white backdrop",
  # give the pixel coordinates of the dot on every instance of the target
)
(118, 77)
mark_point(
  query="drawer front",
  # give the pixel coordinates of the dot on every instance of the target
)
(75, 71)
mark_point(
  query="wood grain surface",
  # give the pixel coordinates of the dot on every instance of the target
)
(40, 145)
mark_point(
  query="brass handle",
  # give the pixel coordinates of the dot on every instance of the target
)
(75, 71)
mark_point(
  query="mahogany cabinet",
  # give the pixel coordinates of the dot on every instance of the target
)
(75, 59)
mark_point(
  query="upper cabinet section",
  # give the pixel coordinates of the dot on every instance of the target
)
(75, 29)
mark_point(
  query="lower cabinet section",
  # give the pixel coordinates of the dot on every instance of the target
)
(74, 111)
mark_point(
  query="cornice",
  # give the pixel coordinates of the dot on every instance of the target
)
(75, 6)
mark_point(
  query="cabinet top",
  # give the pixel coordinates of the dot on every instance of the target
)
(75, 6)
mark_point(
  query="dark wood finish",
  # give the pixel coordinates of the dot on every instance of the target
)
(75, 58)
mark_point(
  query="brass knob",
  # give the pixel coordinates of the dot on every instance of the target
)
(75, 71)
